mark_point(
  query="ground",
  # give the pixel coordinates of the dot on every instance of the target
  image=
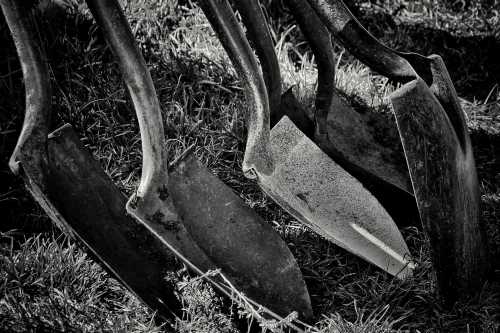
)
(49, 282)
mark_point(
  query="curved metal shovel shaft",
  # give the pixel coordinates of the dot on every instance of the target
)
(30, 159)
(72, 188)
(321, 45)
(230, 34)
(196, 215)
(260, 38)
(347, 29)
(304, 180)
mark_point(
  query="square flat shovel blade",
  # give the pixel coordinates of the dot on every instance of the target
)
(322, 195)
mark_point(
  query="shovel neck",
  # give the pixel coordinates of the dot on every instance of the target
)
(259, 34)
(32, 143)
(223, 21)
(115, 28)
(320, 41)
(347, 29)
(442, 87)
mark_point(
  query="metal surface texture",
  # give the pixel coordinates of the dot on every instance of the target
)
(444, 177)
(437, 148)
(322, 195)
(94, 209)
(302, 178)
(74, 191)
(196, 215)
(345, 135)
(29, 159)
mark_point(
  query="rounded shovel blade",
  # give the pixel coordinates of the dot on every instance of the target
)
(237, 240)
(444, 177)
(211, 228)
(94, 210)
(322, 195)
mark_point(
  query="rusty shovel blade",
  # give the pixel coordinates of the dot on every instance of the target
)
(323, 196)
(214, 229)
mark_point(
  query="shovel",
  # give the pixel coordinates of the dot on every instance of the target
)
(74, 191)
(437, 147)
(350, 138)
(347, 136)
(291, 169)
(196, 215)
(444, 177)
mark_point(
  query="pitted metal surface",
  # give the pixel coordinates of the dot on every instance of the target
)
(322, 195)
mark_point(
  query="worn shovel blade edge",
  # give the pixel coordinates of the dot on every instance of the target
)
(322, 195)
(156, 209)
(237, 240)
(94, 209)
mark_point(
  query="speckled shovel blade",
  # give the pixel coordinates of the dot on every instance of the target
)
(94, 210)
(237, 240)
(323, 196)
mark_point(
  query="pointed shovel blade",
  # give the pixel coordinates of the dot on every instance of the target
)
(322, 195)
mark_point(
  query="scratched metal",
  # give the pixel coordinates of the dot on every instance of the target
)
(323, 196)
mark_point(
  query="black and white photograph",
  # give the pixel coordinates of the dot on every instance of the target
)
(206, 166)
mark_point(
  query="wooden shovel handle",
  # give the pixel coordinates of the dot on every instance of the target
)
(115, 28)
(260, 39)
(32, 142)
(227, 28)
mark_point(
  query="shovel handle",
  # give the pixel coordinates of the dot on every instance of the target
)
(399, 66)
(223, 21)
(32, 142)
(260, 39)
(320, 41)
(116, 30)
(346, 28)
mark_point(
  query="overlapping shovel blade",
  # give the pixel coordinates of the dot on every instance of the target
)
(237, 240)
(441, 163)
(322, 195)
(214, 229)
(94, 210)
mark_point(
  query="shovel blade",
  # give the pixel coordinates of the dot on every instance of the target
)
(444, 177)
(94, 210)
(237, 240)
(365, 142)
(323, 196)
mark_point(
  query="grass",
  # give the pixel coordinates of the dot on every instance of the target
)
(48, 281)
